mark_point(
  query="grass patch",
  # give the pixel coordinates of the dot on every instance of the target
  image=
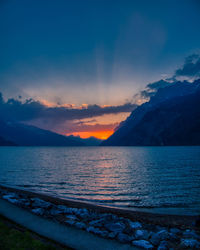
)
(14, 239)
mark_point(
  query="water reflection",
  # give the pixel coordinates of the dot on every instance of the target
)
(149, 177)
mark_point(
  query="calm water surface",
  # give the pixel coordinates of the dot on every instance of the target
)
(155, 179)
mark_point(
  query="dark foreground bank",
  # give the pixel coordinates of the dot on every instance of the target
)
(14, 236)
(149, 231)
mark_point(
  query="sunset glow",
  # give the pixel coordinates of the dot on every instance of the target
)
(103, 135)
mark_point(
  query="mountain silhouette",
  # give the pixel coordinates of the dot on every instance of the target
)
(26, 135)
(171, 117)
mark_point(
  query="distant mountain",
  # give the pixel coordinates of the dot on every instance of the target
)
(26, 135)
(91, 141)
(171, 117)
(4, 142)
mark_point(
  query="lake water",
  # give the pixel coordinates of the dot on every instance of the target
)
(154, 179)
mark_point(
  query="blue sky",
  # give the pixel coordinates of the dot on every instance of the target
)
(93, 51)
(54, 49)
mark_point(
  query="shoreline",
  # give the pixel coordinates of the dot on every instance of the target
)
(107, 224)
(146, 217)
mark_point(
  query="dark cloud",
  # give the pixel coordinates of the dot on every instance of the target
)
(189, 70)
(150, 90)
(89, 128)
(15, 109)
(191, 67)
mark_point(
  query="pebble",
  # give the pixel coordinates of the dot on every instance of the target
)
(83, 213)
(62, 208)
(115, 227)
(190, 234)
(175, 230)
(97, 231)
(124, 238)
(71, 217)
(38, 211)
(40, 203)
(159, 236)
(109, 217)
(54, 211)
(112, 235)
(80, 225)
(190, 243)
(141, 234)
(12, 198)
(143, 244)
(70, 222)
(135, 225)
(163, 245)
(97, 223)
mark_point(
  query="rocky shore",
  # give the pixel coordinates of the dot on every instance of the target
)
(108, 223)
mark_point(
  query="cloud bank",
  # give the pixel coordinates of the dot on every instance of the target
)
(60, 118)
(189, 71)
(191, 67)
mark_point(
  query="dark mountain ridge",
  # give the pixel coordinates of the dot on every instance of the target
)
(171, 117)
(26, 135)
(4, 142)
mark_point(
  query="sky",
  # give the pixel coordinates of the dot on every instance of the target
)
(85, 61)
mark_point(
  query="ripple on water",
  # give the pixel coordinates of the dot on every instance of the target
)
(134, 177)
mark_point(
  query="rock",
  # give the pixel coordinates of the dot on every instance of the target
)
(124, 238)
(93, 216)
(163, 245)
(128, 230)
(112, 235)
(70, 222)
(109, 217)
(14, 201)
(67, 210)
(102, 233)
(173, 237)
(191, 243)
(160, 228)
(73, 210)
(175, 230)
(54, 211)
(24, 202)
(80, 225)
(135, 225)
(141, 234)
(71, 217)
(90, 229)
(36, 202)
(157, 237)
(62, 208)
(97, 223)
(115, 227)
(97, 231)
(12, 198)
(83, 213)
(38, 211)
(143, 244)
(190, 234)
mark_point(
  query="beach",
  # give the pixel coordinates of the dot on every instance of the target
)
(137, 229)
